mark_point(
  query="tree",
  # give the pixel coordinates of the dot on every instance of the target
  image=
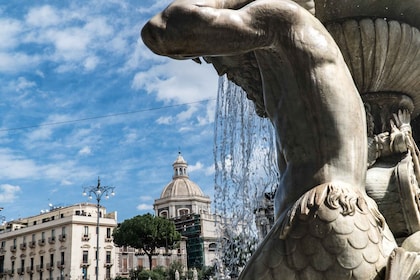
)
(146, 232)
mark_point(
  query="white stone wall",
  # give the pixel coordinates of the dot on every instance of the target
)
(70, 244)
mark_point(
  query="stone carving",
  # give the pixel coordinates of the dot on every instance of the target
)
(313, 80)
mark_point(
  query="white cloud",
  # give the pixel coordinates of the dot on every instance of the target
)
(8, 193)
(91, 62)
(85, 151)
(145, 207)
(17, 61)
(179, 81)
(16, 167)
(23, 84)
(43, 16)
(9, 33)
(197, 166)
(146, 198)
(165, 120)
(210, 170)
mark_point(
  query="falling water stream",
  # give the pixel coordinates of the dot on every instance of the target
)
(245, 160)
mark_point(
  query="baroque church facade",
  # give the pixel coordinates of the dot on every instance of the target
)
(183, 202)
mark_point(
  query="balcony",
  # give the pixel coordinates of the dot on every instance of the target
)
(21, 270)
(60, 265)
(2, 250)
(108, 262)
(10, 272)
(85, 237)
(13, 248)
(51, 240)
(23, 246)
(62, 237)
(32, 244)
(108, 239)
(30, 269)
(50, 266)
(39, 268)
(85, 263)
(41, 242)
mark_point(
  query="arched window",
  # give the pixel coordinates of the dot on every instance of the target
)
(183, 211)
(163, 214)
(212, 247)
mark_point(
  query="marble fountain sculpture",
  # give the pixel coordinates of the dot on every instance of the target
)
(339, 81)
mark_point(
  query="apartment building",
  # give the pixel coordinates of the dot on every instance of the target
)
(59, 244)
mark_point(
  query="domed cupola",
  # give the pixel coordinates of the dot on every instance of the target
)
(180, 167)
(181, 196)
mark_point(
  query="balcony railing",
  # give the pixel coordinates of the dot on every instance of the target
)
(62, 237)
(21, 270)
(41, 242)
(108, 239)
(85, 237)
(60, 265)
(85, 263)
(23, 246)
(109, 262)
(13, 248)
(30, 269)
(39, 268)
(51, 239)
(50, 266)
(32, 244)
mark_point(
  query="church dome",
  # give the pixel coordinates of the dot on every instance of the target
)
(181, 185)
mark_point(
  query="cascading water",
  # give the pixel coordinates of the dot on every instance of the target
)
(246, 168)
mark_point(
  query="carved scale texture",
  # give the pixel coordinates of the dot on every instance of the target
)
(326, 242)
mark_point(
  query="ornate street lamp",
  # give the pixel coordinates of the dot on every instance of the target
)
(97, 192)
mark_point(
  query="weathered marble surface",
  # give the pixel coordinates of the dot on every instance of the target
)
(309, 79)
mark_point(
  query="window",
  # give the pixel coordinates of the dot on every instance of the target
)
(212, 247)
(53, 233)
(3, 244)
(183, 211)
(164, 214)
(108, 257)
(85, 257)
(108, 232)
(32, 263)
(43, 236)
(86, 231)
(108, 273)
(62, 258)
(33, 237)
(1, 264)
(41, 262)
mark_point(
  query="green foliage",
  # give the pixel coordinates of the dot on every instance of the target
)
(154, 275)
(206, 272)
(174, 266)
(146, 232)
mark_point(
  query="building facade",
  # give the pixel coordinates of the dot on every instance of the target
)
(184, 202)
(59, 244)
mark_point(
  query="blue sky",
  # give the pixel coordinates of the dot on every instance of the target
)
(82, 97)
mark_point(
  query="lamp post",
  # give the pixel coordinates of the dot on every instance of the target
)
(97, 192)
